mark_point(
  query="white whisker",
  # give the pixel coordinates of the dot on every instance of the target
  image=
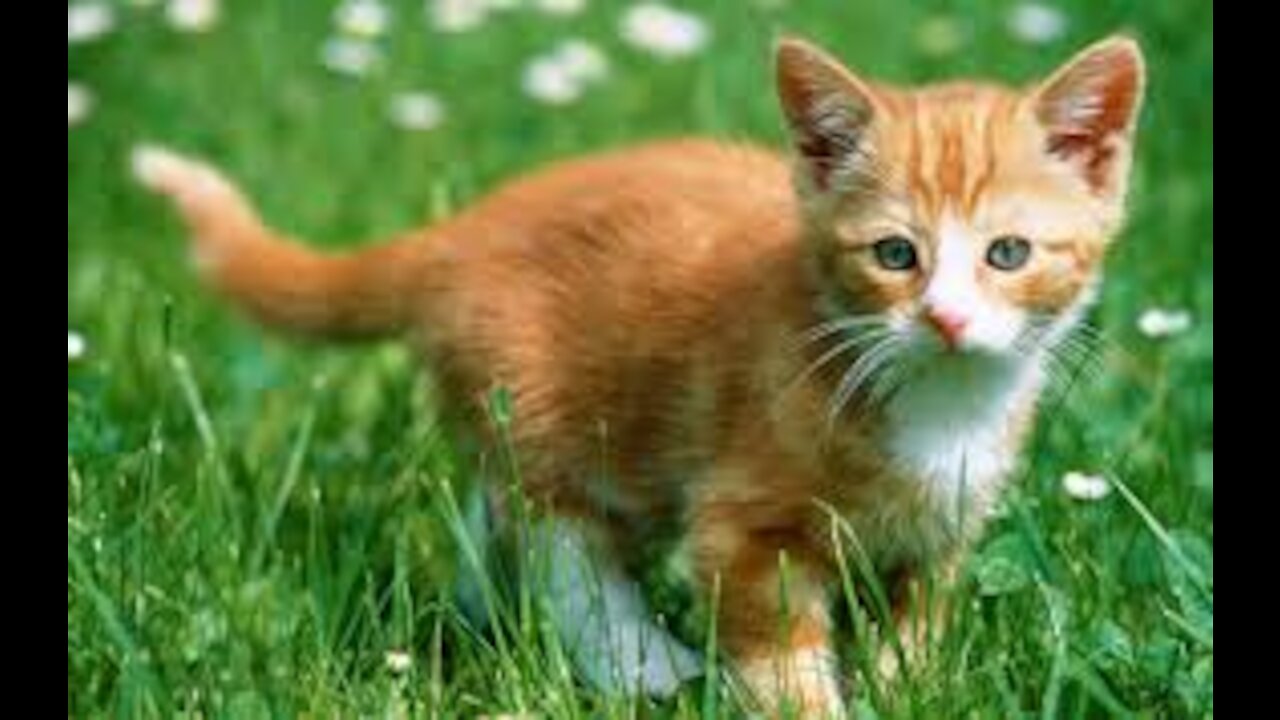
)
(857, 373)
(830, 354)
(830, 327)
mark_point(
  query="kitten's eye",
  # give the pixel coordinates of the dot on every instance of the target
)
(1008, 253)
(895, 253)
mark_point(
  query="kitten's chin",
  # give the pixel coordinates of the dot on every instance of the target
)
(934, 349)
(972, 361)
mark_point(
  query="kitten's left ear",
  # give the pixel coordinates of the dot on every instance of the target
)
(829, 112)
(1089, 108)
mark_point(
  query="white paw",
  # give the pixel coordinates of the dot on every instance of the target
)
(806, 680)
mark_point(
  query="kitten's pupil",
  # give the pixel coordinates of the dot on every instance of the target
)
(1008, 253)
(895, 253)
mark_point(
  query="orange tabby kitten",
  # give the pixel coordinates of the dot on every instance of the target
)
(746, 344)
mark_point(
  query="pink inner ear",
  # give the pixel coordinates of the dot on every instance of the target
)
(1089, 108)
(1089, 150)
(1093, 107)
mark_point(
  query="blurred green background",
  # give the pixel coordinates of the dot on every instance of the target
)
(258, 528)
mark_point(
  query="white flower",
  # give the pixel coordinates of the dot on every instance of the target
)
(416, 111)
(88, 21)
(562, 75)
(355, 58)
(76, 346)
(79, 103)
(1085, 487)
(398, 661)
(582, 60)
(362, 18)
(1163, 322)
(940, 35)
(1036, 23)
(550, 81)
(455, 16)
(560, 7)
(193, 16)
(664, 31)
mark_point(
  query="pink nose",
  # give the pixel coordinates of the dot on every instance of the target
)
(949, 325)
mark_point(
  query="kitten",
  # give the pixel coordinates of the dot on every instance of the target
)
(705, 335)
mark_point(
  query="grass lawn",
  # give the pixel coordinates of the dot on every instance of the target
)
(258, 528)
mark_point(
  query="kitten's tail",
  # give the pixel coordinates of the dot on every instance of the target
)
(364, 294)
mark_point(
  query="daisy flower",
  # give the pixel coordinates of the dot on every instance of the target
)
(354, 58)
(416, 111)
(663, 31)
(89, 21)
(398, 661)
(457, 16)
(550, 81)
(192, 16)
(79, 103)
(362, 18)
(76, 346)
(1036, 23)
(1085, 487)
(582, 60)
(1163, 322)
(561, 76)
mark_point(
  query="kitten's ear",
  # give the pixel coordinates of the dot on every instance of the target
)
(828, 111)
(1089, 107)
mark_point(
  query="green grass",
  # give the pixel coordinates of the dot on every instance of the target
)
(252, 524)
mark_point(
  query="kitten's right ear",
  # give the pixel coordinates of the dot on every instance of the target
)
(1089, 108)
(828, 111)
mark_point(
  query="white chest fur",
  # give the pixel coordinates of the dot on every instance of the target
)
(949, 431)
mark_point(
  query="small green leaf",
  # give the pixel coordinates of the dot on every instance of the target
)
(1004, 566)
(1113, 647)
(1159, 656)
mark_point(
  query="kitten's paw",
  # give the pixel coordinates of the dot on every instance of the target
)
(908, 655)
(805, 684)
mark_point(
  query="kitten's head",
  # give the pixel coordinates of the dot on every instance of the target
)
(968, 220)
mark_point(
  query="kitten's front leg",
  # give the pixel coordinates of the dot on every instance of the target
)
(772, 615)
(920, 602)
